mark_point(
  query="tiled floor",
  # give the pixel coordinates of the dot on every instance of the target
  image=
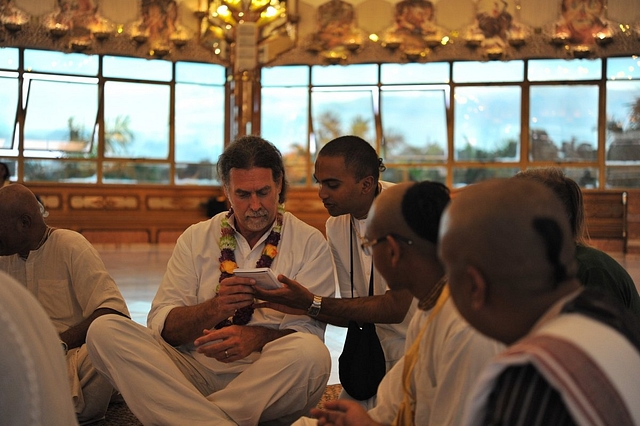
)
(138, 270)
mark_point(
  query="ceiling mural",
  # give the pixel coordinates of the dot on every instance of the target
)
(337, 31)
(208, 30)
(496, 28)
(415, 30)
(12, 18)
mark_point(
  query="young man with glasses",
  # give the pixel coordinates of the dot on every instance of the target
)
(444, 354)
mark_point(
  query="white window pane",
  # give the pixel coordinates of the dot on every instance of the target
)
(285, 76)
(136, 68)
(487, 123)
(69, 127)
(623, 68)
(567, 70)
(414, 126)
(135, 173)
(199, 120)
(9, 58)
(436, 72)
(338, 113)
(463, 176)
(8, 107)
(563, 123)
(623, 122)
(61, 63)
(344, 74)
(60, 171)
(136, 120)
(195, 72)
(484, 72)
(285, 124)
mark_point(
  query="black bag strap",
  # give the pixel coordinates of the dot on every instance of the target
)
(351, 230)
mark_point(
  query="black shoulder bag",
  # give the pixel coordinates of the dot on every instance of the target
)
(362, 364)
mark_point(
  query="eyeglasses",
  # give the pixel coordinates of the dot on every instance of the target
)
(367, 246)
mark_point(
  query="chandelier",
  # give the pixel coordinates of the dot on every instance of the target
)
(238, 29)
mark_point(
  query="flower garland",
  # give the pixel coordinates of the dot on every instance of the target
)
(228, 263)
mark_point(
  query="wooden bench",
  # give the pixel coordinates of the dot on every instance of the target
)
(606, 217)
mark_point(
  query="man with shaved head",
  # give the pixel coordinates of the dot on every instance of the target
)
(444, 355)
(510, 257)
(65, 273)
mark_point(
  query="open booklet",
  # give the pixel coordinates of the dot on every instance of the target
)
(264, 277)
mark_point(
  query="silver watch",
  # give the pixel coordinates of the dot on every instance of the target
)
(314, 309)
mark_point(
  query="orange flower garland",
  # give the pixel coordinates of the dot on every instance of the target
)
(228, 263)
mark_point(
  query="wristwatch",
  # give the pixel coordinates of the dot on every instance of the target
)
(314, 309)
(65, 347)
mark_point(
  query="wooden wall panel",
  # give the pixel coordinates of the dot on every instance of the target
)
(105, 214)
(147, 214)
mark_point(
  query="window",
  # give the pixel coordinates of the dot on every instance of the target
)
(622, 155)
(199, 122)
(9, 88)
(71, 117)
(487, 123)
(107, 119)
(285, 117)
(463, 122)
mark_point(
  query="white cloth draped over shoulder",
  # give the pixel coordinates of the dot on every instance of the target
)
(33, 386)
(451, 357)
(595, 369)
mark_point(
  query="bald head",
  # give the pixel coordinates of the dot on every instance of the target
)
(410, 209)
(403, 221)
(21, 221)
(385, 215)
(514, 236)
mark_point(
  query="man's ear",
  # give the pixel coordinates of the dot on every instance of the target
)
(368, 184)
(393, 251)
(25, 220)
(479, 288)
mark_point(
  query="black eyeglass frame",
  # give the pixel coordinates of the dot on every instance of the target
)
(367, 246)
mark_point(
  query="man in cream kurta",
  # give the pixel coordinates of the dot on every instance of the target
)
(451, 357)
(444, 355)
(66, 275)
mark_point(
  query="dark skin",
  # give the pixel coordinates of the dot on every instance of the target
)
(293, 298)
(76, 336)
(341, 193)
(22, 231)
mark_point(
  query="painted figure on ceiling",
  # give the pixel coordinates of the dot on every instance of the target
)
(494, 24)
(336, 26)
(80, 17)
(159, 23)
(583, 21)
(414, 25)
(9, 14)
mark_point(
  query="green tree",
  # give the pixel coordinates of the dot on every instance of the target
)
(118, 136)
(77, 132)
(360, 127)
(329, 127)
(634, 115)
